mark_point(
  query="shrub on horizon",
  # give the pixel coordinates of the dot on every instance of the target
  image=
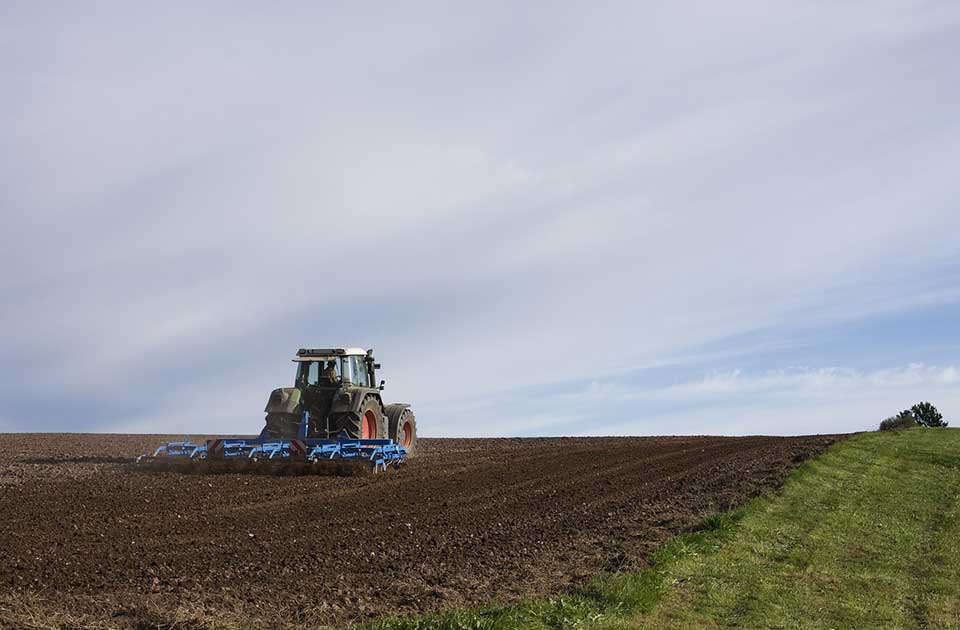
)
(927, 415)
(903, 420)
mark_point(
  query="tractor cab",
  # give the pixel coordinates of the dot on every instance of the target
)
(340, 367)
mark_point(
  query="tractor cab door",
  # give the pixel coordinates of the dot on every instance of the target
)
(355, 371)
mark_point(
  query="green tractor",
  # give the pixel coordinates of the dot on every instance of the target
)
(337, 395)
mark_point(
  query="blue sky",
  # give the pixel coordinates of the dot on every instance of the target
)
(621, 218)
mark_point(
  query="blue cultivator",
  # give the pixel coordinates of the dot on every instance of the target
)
(262, 454)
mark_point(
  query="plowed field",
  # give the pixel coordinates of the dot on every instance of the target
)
(87, 538)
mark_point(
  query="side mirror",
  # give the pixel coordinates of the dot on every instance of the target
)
(382, 384)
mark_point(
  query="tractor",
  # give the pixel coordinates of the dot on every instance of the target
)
(332, 420)
(335, 392)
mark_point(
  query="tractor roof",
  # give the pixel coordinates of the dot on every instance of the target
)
(309, 354)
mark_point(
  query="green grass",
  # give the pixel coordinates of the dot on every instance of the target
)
(865, 536)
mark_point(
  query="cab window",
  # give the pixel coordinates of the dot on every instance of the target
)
(318, 373)
(308, 373)
(355, 370)
(346, 369)
(361, 371)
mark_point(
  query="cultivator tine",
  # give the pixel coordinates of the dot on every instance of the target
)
(267, 450)
(179, 449)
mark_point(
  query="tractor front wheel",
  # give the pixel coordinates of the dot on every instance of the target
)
(403, 427)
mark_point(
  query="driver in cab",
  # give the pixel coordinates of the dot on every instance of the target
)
(330, 373)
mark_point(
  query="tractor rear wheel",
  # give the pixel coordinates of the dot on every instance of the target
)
(282, 426)
(366, 424)
(403, 427)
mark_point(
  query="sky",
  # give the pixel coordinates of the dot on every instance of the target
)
(560, 218)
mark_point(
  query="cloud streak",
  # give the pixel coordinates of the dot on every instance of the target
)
(795, 382)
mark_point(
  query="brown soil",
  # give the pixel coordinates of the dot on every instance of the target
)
(466, 521)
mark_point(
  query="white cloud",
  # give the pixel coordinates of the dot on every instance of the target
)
(802, 382)
(783, 401)
(780, 401)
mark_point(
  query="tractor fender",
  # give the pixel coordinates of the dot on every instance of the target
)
(394, 410)
(351, 401)
(284, 400)
(362, 395)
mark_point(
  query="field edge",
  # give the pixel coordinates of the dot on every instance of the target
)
(688, 572)
(607, 599)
